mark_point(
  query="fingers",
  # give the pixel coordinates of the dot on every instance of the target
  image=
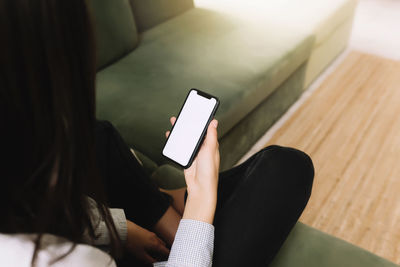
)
(212, 135)
(162, 249)
(158, 249)
(172, 120)
(148, 259)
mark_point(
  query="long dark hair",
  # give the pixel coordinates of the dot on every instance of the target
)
(47, 106)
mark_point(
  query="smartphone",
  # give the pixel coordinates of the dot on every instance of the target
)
(190, 127)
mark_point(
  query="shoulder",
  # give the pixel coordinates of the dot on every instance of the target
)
(17, 250)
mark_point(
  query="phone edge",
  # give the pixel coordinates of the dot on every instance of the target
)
(201, 139)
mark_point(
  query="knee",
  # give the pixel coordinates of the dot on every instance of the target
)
(295, 166)
(103, 125)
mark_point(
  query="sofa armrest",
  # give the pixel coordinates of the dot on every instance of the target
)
(148, 165)
(165, 176)
(309, 247)
(169, 177)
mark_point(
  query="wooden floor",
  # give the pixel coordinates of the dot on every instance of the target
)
(350, 127)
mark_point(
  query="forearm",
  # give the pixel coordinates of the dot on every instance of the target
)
(167, 226)
(193, 245)
(178, 197)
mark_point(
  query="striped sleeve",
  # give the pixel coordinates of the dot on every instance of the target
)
(193, 245)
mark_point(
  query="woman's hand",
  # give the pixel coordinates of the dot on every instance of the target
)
(145, 245)
(202, 178)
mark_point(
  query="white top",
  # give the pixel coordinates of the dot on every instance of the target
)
(192, 247)
(17, 250)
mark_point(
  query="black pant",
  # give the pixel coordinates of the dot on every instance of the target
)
(126, 183)
(259, 201)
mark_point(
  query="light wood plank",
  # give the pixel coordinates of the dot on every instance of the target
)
(350, 127)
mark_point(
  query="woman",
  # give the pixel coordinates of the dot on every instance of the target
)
(62, 170)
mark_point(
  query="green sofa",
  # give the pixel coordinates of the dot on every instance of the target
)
(144, 76)
(151, 52)
(330, 22)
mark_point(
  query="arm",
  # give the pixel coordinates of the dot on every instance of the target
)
(139, 241)
(193, 245)
(194, 240)
(202, 178)
(101, 231)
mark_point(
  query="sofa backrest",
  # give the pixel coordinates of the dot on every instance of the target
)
(149, 13)
(115, 30)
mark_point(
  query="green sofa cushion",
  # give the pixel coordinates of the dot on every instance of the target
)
(239, 62)
(115, 30)
(149, 13)
(329, 21)
(321, 18)
(240, 139)
(309, 247)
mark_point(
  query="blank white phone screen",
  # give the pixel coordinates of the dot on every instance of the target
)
(188, 127)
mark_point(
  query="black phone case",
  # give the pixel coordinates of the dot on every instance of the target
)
(200, 141)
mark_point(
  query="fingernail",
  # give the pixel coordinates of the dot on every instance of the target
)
(215, 123)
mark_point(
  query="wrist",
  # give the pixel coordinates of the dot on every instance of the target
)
(200, 208)
(206, 194)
